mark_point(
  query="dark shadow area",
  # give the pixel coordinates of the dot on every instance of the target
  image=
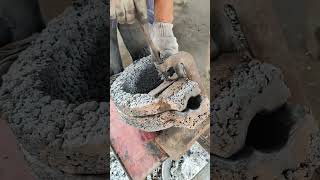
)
(77, 80)
(145, 81)
(269, 132)
(194, 102)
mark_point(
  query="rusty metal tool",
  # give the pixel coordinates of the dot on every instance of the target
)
(155, 50)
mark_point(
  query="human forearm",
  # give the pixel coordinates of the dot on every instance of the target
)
(163, 10)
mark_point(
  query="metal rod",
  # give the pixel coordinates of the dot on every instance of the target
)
(154, 49)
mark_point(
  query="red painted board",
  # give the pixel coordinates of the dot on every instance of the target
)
(136, 149)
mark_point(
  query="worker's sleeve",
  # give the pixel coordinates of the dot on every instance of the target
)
(150, 6)
(163, 10)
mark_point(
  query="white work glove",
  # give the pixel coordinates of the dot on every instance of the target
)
(162, 36)
(125, 11)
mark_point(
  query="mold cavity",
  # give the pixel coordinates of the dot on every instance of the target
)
(242, 154)
(170, 71)
(143, 82)
(194, 102)
(269, 132)
(76, 80)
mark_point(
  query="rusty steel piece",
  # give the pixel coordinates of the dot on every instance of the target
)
(131, 91)
(288, 150)
(187, 119)
(183, 65)
(145, 100)
(153, 47)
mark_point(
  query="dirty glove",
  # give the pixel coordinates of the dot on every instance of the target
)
(162, 36)
(125, 11)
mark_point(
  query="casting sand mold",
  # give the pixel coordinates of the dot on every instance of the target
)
(256, 87)
(297, 158)
(241, 146)
(52, 96)
(255, 133)
(180, 104)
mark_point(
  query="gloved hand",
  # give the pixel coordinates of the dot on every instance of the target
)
(162, 36)
(125, 11)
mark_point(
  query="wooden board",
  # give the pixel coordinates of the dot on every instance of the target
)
(136, 149)
(176, 141)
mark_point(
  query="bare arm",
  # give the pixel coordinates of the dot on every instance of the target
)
(163, 10)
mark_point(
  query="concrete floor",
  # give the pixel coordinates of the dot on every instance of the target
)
(301, 30)
(192, 29)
